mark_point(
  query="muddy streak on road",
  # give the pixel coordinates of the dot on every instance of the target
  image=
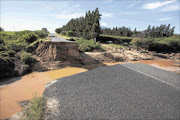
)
(34, 83)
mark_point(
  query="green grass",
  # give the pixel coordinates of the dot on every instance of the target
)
(87, 45)
(35, 109)
(8, 32)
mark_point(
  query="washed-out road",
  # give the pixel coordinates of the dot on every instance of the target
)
(59, 39)
(126, 91)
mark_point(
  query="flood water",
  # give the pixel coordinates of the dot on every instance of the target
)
(28, 85)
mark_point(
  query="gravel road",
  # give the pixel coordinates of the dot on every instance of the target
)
(113, 92)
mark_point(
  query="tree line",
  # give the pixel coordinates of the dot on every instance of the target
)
(152, 32)
(87, 27)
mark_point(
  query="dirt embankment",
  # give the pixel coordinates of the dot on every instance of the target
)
(53, 55)
(58, 51)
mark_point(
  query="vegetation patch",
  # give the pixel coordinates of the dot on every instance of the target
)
(87, 45)
(14, 48)
(87, 27)
(165, 44)
(27, 58)
(35, 109)
(119, 39)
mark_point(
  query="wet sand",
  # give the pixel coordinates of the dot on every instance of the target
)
(28, 85)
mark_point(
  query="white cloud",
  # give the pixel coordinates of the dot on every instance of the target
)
(128, 13)
(103, 24)
(158, 4)
(68, 16)
(171, 8)
(108, 1)
(162, 19)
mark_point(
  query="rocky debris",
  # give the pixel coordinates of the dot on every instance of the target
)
(24, 103)
(17, 116)
(91, 57)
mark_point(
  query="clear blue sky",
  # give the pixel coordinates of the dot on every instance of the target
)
(33, 15)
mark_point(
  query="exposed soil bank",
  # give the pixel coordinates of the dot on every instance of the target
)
(23, 89)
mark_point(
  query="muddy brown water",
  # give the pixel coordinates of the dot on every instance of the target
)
(34, 83)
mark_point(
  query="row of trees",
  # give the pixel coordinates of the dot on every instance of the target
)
(159, 31)
(117, 31)
(87, 27)
(153, 32)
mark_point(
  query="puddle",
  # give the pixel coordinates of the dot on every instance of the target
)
(23, 89)
(166, 65)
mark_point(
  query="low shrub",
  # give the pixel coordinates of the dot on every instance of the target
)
(41, 33)
(63, 33)
(170, 44)
(69, 33)
(2, 47)
(16, 45)
(6, 65)
(87, 45)
(29, 37)
(27, 58)
(35, 109)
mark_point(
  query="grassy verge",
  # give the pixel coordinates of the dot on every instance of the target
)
(35, 109)
(8, 32)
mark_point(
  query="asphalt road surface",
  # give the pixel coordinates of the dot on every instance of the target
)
(114, 92)
(59, 39)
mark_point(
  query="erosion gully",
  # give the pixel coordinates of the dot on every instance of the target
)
(24, 89)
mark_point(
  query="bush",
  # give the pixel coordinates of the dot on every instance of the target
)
(140, 42)
(6, 65)
(36, 109)
(58, 30)
(69, 33)
(41, 33)
(171, 44)
(87, 45)
(63, 33)
(29, 37)
(16, 45)
(27, 58)
(2, 48)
